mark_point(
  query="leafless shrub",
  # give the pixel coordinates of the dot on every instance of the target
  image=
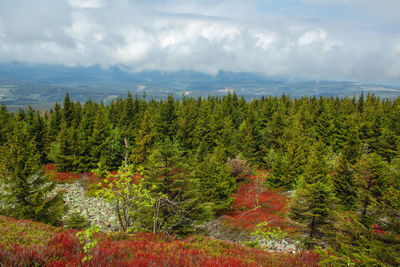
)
(239, 168)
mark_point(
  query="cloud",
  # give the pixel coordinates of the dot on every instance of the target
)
(87, 3)
(205, 36)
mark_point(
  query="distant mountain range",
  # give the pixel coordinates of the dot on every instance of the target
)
(42, 85)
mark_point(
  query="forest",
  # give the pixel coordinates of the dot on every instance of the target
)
(167, 167)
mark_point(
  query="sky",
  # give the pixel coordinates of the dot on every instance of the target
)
(356, 40)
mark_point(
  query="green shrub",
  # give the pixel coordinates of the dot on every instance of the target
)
(77, 221)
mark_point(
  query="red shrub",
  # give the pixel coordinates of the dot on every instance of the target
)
(21, 256)
(253, 205)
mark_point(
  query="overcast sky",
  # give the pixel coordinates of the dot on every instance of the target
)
(318, 39)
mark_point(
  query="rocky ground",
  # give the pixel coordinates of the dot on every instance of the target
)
(220, 229)
(97, 210)
(100, 212)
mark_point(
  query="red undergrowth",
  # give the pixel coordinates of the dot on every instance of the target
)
(62, 248)
(253, 204)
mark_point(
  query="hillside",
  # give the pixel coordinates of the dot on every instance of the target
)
(277, 178)
(26, 242)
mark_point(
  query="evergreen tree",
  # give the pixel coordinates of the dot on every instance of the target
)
(227, 138)
(391, 198)
(216, 182)
(115, 150)
(371, 180)
(313, 202)
(68, 111)
(343, 177)
(144, 140)
(326, 125)
(100, 137)
(37, 129)
(204, 138)
(25, 188)
(127, 118)
(68, 153)
(187, 120)
(54, 123)
(5, 125)
(288, 166)
(166, 123)
(166, 174)
(250, 138)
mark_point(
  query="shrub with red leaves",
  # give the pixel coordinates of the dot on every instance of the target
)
(143, 249)
(253, 205)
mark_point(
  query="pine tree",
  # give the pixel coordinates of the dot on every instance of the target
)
(288, 165)
(166, 123)
(115, 150)
(5, 125)
(144, 140)
(127, 118)
(38, 132)
(85, 136)
(343, 177)
(99, 138)
(371, 174)
(187, 120)
(203, 136)
(25, 189)
(216, 182)
(391, 197)
(313, 202)
(227, 138)
(68, 153)
(326, 125)
(54, 123)
(68, 111)
(166, 173)
(250, 138)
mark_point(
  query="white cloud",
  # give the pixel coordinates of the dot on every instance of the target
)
(205, 36)
(317, 35)
(87, 3)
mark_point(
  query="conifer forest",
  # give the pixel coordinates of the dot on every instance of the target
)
(207, 181)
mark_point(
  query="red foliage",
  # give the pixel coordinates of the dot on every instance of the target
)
(378, 230)
(62, 177)
(21, 256)
(253, 205)
(67, 177)
(64, 249)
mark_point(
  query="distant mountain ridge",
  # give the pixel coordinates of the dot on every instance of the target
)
(39, 84)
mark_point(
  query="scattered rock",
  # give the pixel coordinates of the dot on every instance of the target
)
(97, 210)
(278, 246)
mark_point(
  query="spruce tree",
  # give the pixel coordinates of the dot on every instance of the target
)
(250, 138)
(371, 174)
(144, 140)
(68, 153)
(166, 123)
(100, 137)
(187, 121)
(68, 111)
(166, 173)
(343, 177)
(5, 125)
(25, 188)
(115, 149)
(54, 123)
(288, 165)
(313, 201)
(216, 181)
